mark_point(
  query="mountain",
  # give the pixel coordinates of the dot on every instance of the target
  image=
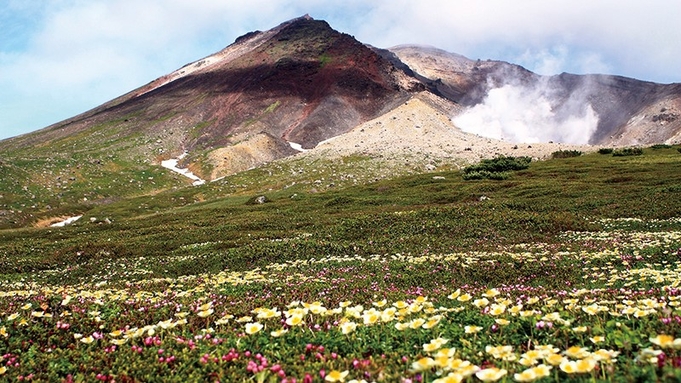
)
(302, 91)
(630, 111)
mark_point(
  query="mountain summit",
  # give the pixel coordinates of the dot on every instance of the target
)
(255, 101)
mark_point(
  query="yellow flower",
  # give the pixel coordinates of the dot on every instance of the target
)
(464, 298)
(423, 364)
(278, 333)
(502, 322)
(3, 369)
(205, 306)
(336, 376)
(591, 309)
(294, 320)
(400, 304)
(491, 374)
(380, 303)
(580, 329)
(348, 327)
(525, 376)
(663, 341)
(452, 377)
(576, 352)
(267, 314)
(432, 322)
(344, 304)
(37, 314)
(455, 294)
(532, 300)
(66, 300)
(445, 352)
(481, 302)
(116, 333)
(542, 370)
(87, 339)
(569, 366)
(417, 323)
(205, 313)
(27, 306)
(578, 366)
(491, 293)
(3, 332)
(605, 355)
(388, 315)
(245, 319)
(472, 329)
(555, 359)
(13, 317)
(468, 369)
(501, 352)
(533, 354)
(515, 310)
(527, 362)
(597, 339)
(119, 341)
(371, 317)
(317, 309)
(252, 328)
(497, 309)
(401, 326)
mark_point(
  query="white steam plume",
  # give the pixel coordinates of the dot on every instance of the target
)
(528, 114)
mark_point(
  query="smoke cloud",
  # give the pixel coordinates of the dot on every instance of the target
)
(536, 113)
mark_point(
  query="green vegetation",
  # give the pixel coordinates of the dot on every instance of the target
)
(566, 154)
(627, 152)
(605, 151)
(563, 272)
(496, 168)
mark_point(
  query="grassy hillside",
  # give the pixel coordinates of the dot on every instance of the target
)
(576, 252)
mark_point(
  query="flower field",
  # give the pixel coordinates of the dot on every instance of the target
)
(590, 299)
(354, 319)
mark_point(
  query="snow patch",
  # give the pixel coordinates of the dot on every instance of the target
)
(297, 147)
(67, 221)
(171, 164)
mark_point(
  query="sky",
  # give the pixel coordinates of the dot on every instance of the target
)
(59, 58)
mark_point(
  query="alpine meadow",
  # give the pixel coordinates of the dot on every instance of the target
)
(339, 226)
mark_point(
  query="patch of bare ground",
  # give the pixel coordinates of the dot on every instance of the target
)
(421, 132)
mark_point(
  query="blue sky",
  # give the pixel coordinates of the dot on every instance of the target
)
(59, 58)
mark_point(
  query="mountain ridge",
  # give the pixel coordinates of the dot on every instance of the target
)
(303, 90)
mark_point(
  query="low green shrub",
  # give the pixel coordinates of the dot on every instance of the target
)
(660, 146)
(566, 154)
(496, 168)
(605, 151)
(500, 164)
(627, 152)
(484, 174)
